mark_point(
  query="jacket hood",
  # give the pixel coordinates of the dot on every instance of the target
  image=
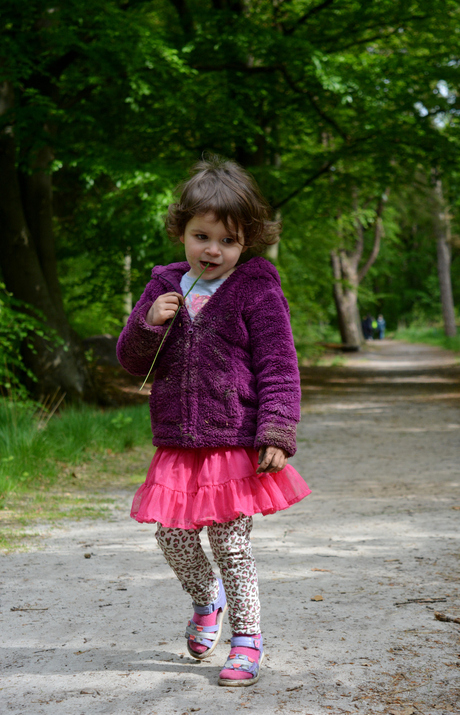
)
(172, 273)
(254, 268)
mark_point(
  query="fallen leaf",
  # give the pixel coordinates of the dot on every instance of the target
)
(294, 687)
(328, 570)
(316, 598)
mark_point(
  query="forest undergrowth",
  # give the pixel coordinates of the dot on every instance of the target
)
(61, 465)
(429, 336)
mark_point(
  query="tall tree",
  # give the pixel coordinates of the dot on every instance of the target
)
(442, 232)
(114, 98)
(28, 260)
(349, 269)
(67, 71)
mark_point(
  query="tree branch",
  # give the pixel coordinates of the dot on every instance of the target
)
(303, 186)
(59, 66)
(313, 11)
(326, 118)
(237, 66)
(363, 41)
(378, 234)
(314, 104)
(359, 245)
(353, 30)
(185, 16)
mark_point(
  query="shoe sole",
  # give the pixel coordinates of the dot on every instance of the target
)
(210, 651)
(245, 682)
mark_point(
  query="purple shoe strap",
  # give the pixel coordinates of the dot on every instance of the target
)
(215, 605)
(247, 642)
(242, 662)
(193, 629)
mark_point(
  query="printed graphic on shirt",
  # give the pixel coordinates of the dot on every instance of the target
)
(194, 303)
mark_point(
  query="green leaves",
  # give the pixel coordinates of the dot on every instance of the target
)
(18, 325)
(316, 98)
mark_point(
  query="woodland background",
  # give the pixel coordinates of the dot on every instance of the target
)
(346, 112)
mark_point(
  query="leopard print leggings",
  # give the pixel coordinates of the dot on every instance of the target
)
(231, 548)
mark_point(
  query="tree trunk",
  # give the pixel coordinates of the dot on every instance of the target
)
(28, 265)
(348, 275)
(128, 296)
(441, 222)
(346, 300)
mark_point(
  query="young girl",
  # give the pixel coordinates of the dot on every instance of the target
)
(224, 405)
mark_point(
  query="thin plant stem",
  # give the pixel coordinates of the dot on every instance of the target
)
(170, 326)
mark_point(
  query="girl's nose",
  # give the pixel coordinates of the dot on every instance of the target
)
(213, 249)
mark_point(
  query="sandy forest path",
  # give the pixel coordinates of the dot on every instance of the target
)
(376, 544)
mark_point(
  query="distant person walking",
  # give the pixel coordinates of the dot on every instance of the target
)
(367, 327)
(381, 325)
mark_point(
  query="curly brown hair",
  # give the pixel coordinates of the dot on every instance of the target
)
(225, 189)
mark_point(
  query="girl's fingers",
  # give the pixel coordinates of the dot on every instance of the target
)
(164, 308)
(265, 459)
(170, 302)
(271, 459)
(176, 298)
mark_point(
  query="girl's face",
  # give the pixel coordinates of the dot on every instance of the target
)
(208, 241)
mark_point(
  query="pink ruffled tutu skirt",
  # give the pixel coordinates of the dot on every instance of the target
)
(190, 488)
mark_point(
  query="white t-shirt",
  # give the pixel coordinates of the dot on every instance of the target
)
(201, 293)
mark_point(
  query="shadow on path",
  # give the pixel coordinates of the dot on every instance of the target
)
(350, 578)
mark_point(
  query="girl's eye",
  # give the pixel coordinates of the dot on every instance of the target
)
(201, 236)
(229, 240)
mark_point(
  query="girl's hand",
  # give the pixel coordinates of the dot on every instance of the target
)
(164, 308)
(271, 459)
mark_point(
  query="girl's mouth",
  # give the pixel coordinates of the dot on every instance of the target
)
(210, 266)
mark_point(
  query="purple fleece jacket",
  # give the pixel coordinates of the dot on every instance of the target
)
(230, 377)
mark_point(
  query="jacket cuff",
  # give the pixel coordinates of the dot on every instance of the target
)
(280, 434)
(141, 321)
(149, 335)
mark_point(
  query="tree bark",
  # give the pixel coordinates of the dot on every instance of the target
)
(128, 296)
(347, 277)
(346, 299)
(28, 265)
(441, 223)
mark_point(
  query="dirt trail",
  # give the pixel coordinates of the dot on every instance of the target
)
(377, 540)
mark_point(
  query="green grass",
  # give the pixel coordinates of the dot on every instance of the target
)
(35, 452)
(64, 468)
(429, 336)
(310, 340)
